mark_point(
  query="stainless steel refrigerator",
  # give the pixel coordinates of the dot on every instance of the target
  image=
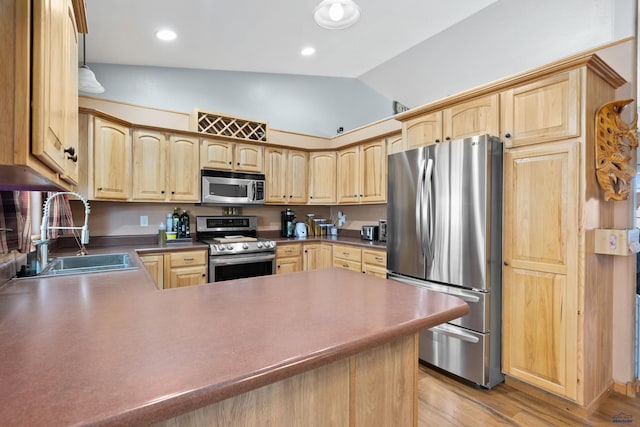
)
(444, 232)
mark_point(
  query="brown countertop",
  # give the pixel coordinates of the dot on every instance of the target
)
(347, 240)
(108, 348)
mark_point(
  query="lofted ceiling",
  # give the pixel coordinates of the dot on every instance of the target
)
(263, 36)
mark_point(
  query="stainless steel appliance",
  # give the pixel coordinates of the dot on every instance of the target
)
(231, 188)
(382, 230)
(369, 232)
(234, 250)
(287, 221)
(444, 232)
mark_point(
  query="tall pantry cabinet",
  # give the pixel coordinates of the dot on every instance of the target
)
(557, 293)
(557, 305)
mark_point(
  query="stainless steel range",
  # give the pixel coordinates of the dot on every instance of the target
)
(234, 250)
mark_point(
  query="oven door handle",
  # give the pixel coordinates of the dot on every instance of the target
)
(235, 259)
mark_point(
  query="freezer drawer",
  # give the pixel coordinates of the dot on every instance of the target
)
(462, 352)
(479, 302)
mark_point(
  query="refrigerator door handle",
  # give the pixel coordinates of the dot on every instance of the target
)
(454, 333)
(428, 244)
(419, 193)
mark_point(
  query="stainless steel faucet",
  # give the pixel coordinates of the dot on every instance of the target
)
(43, 244)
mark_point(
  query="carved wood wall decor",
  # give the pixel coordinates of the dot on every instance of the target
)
(615, 141)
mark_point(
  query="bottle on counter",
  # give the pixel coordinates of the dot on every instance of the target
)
(169, 222)
(175, 223)
(162, 235)
(184, 232)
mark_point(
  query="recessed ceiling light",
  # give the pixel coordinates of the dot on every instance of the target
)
(308, 51)
(166, 35)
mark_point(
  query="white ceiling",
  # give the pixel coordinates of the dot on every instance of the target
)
(263, 35)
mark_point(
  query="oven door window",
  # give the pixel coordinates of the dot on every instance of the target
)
(220, 270)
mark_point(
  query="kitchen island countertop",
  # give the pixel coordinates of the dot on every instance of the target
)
(108, 348)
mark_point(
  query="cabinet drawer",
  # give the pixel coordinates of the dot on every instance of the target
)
(344, 263)
(288, 250)
(183, 259)
(377, 258)
(347, 253)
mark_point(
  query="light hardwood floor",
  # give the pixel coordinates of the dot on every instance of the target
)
(445, 402)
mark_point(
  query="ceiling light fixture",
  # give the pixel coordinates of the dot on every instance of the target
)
(166, 35)
(87, 81)
(308, 51)
(336, 14)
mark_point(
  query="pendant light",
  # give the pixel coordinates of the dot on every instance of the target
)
(87, 81)
(336, 14)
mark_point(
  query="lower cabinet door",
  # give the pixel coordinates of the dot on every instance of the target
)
(187, 276)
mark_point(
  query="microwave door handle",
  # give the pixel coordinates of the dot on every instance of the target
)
(252, 195)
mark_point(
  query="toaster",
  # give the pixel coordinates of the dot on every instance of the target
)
(382, 230)
(369, 232)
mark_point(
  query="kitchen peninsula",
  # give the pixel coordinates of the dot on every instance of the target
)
(326, 347)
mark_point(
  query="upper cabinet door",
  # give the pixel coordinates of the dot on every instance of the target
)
(348, 175)
(476, 117)
(184, 171)
(373, 172)
(322, 178)
(111, 161)
(216, 154)
(423, 130)
(395, 144)
(149, 165)
(545, 110)
(54, 83)
(275, 175)
(248, 158)
(297, 177)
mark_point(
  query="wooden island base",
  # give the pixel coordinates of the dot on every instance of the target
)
(377, 387)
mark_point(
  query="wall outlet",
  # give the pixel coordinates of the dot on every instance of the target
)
(144, 221)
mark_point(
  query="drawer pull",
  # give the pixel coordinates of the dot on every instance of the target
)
(345, 265)
(379, 258)
(188, 259)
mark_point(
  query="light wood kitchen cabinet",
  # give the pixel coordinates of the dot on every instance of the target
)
(110, 161)
(362, 173)
(422, 130)
(316, 256)
(39, 88)
(374, 262)
(348, 257)
(55, 84)
(545, 110)
(557, 293)
(219, 154)
(322, 178)
(154, 264)
(476, 117)
(286, 176)
(184, 173)
(288, 257)
(186, 268)
(395, 144)
(175, 269)
(540, 293)
(165, 167)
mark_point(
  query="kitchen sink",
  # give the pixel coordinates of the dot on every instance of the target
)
(88, 264)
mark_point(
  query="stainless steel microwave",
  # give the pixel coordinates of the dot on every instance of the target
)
(231, 188)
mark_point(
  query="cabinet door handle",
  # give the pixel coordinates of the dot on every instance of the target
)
(507, 135)
(506, 263)
(437, 140)
(203, 275)
(448, 138)
(162, 192)
(99, 188)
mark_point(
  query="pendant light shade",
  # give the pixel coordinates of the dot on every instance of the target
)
(87, 81)
(336, 14)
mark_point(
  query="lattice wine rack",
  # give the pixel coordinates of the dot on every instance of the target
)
(235, 127)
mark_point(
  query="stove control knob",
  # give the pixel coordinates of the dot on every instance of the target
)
(230, 246)
(260, 245)
(245, 246)
(220, 248)
(271, 244)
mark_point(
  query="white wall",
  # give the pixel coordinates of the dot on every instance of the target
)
(311, 105)
(508, 37)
